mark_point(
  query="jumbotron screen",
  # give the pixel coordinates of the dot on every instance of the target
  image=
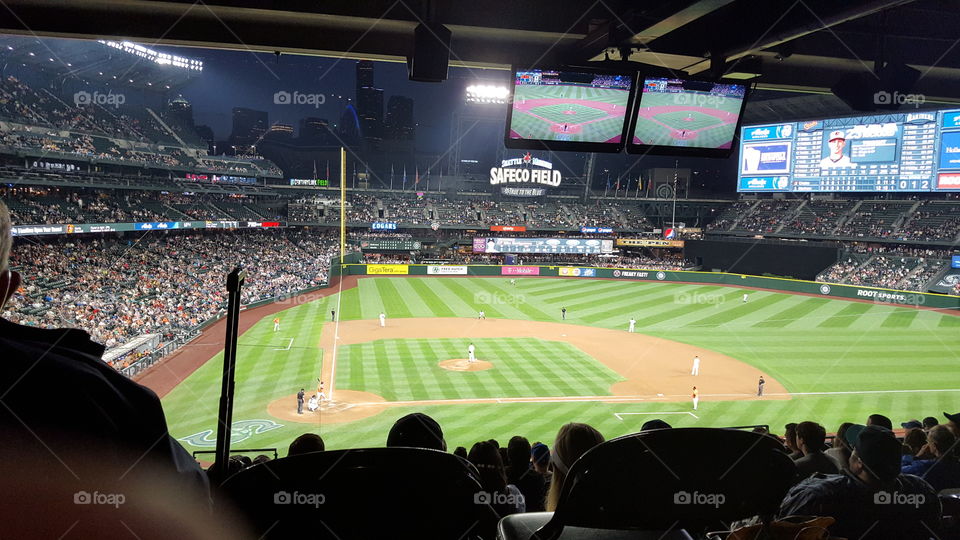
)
(568, 106)
(683, 113)
(904, 151)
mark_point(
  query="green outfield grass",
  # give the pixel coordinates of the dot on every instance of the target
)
(713, 134)
(842, 360)
(531, 127)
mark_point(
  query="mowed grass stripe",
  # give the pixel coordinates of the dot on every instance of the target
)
(432, 300)
(595, 302)
(949, 321)
(582, 290)
(473, 301)
(682, 310)
(620, 312)
(846, 316)
(742, 310)
(901, 317)
(394, 305)
(792, 314)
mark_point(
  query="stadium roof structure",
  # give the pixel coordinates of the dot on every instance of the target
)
(95, 62)
(798, 46)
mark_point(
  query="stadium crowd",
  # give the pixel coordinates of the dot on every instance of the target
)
(166, 284)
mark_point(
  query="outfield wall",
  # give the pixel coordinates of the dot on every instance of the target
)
(870, 294)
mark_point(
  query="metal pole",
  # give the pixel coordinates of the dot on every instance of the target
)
(343, 203)
(673, 219)
(225, 416)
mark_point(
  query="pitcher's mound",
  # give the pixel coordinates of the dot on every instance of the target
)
(347, 406)
(460, 364)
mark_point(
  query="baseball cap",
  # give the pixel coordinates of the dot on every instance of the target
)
(837, 135)
(877, 448)
(417, 430)
(654, 424)
(911, 424)
(955, 418)
(540, 453)
(929, 422)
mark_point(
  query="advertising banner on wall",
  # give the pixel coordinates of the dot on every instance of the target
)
(542, 245)
(572, 271)
(445, 270)
(649, 242)
(520, 270)
(388, 269)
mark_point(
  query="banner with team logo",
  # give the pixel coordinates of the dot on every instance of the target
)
(572, 271)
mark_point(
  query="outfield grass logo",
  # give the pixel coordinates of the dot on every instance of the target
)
(887, 498)
(687, 299)
(103, 499)
(498, 299)
(302, 499)
(97, 98)
(242, 430)
(699, 499)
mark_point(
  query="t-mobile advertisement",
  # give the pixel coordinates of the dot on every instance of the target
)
(520, 270)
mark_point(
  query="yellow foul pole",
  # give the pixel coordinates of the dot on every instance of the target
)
(343, 205)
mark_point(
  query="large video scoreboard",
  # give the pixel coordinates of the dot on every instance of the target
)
(904, 151)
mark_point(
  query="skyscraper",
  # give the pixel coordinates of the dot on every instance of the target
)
(313, 128)
(369, 103)
(398, 123)
(248, 126)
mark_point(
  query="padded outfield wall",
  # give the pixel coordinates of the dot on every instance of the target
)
(871, 294)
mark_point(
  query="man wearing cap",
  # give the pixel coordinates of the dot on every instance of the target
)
(954, 423)
(937, 461)
(837, 142)
(872, 499)
(417, 430)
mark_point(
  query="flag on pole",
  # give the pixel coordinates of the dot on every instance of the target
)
(328, 171)
(314, 170)
(391, 176)
(404, 177)
(416, 181)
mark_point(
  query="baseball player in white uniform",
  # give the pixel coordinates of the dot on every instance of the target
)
(633, 324)
(696, 397)
(696, 366)
(745, 295)
(481, 315)
(471, 357)
(383, 319)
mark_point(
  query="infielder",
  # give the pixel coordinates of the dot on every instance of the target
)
(481, 315)
(563, 313)
(276, 324)
(471, 357)
(696, 397)
(633, 324)
(696, 366)
(760, 386)
(383, 319)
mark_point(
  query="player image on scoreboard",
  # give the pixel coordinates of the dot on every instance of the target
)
(836, 157)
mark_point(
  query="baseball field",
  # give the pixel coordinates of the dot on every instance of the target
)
(664, 121)
(823, 359)
(568, 113)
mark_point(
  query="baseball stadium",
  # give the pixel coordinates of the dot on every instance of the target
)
(503, 271)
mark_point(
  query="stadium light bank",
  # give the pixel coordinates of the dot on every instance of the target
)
(487, 93)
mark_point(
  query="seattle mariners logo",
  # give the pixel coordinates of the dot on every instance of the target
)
(242, 430)
(661, 276)
(616, 273)
(824, 289)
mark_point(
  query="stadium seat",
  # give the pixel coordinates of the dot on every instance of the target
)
(361, 494)
(688, 479)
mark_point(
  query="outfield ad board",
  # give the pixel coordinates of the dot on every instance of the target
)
(576, 271)
(649, 242)
(446, 270)
(388, 269)
(520, 270)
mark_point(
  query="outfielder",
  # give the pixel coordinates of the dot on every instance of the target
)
(471, 357)
(745, 295)
(276, 324)
(383, 319)
(696, 366)
(633, 324)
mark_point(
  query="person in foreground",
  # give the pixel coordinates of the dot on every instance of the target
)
(871, 500)
(111, 438)
(573, 440)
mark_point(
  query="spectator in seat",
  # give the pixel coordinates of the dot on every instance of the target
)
(790, 440)
(913, 442)
(954, 423)
(306, 443)
(110, 421)
(937, 461)
(929, 422)
(417, 430)
(540, 459)
(656, 423)
(505, 498)
(840, 451)
(810, 437)
(460, 452)
(872, 499)
(521, 474)
(573, 440)
(880, 420)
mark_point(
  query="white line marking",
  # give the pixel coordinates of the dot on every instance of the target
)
(287, 347)
(620, 415)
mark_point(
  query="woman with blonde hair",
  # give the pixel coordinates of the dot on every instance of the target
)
(573, 440)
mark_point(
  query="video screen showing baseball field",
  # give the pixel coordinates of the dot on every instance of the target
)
(684, 113)
(574, 107)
